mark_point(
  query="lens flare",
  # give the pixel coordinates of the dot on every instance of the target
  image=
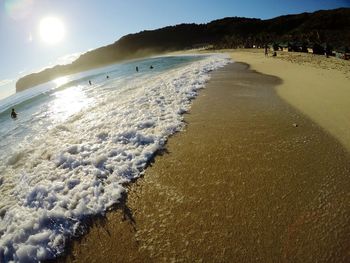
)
(18, 9)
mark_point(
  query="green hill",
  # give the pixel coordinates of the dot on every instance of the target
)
(330, 26)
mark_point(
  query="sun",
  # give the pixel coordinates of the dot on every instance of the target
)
(51, 30)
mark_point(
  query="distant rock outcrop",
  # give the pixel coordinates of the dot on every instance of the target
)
(330, 26)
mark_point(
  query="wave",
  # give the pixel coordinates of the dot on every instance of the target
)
(82, 167)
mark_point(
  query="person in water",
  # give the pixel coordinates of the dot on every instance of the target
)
(137, 69)
(90, 82)
(151, 67)
(13, 114)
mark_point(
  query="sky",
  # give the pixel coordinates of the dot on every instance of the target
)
(89, 24)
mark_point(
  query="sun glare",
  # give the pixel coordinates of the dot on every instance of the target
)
(51, 30)
(60, 81)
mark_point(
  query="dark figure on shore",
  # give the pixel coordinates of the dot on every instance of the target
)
(137, 69)
(90, 82)
(151, 67)
(266, 51)
(13, 114)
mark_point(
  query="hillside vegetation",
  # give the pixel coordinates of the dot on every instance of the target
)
(331, 27)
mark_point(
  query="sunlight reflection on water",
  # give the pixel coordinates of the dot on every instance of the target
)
(68, 102)
(60, 81)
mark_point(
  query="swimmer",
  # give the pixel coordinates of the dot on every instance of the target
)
(13, 114)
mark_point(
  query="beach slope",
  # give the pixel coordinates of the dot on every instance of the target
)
(317, 86)
(251, 179)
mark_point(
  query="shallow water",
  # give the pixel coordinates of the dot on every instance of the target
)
(73, 145)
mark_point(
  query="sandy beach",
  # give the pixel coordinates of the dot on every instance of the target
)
(315, 85)
(260, 173)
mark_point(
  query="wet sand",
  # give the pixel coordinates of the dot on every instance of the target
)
(240, 184)
(315, 85)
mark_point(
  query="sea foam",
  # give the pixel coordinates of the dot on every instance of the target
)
(78, 167)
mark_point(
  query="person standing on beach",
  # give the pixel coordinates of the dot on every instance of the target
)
(266, 51)
(13, 114)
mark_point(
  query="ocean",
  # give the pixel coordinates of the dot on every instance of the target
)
(74, 146)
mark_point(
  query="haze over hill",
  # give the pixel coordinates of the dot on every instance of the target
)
(330, 26)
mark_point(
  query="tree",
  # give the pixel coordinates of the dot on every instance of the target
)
(318, 49)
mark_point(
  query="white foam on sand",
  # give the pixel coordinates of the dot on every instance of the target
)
(78, 167)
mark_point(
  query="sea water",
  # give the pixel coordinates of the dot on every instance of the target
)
(74, 146)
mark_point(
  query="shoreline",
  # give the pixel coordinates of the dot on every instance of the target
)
(241, 182)
(316, 86)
